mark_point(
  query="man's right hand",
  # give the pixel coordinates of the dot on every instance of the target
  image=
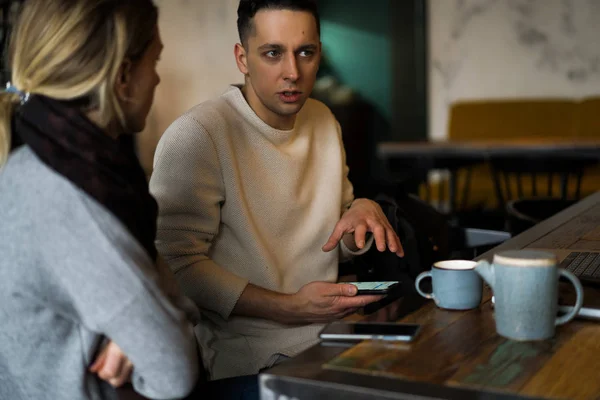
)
(314, 302)
(325, 302)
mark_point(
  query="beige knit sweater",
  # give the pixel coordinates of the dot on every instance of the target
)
(242, 202)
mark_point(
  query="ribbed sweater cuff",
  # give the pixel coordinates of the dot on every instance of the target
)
(347, 254)
(212, 287)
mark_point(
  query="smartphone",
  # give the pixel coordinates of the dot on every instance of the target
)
(374, 287)
(356, 331)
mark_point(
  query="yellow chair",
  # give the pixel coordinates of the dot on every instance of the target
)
(510, 119)
(521, 118)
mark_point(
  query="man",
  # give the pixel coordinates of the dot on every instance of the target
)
(251, 187)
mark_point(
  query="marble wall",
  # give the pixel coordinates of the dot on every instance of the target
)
(197, 62)
(490, 49)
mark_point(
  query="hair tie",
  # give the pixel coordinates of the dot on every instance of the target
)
(24, 96)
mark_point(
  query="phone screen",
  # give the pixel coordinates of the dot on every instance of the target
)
(362, 330)
(374, 287)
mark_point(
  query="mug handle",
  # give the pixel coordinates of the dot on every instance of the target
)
(578, 303)
(423, 275)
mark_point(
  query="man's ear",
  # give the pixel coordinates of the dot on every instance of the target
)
(240, 58)
(123, 81)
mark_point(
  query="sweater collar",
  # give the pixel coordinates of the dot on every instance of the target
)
(275, 136)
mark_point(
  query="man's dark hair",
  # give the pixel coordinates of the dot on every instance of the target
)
(248, 9)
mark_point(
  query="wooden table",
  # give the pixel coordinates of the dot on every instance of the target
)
(481, 149)
(458, 354)
(410, 162)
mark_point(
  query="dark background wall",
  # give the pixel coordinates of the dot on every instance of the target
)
(378, 48)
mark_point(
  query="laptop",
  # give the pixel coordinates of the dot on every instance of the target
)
(584, 264)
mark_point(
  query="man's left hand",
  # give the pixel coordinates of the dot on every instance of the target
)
(365, 216)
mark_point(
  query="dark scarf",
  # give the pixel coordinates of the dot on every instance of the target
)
(105, 168)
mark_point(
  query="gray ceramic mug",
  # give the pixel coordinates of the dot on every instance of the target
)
(525, 286)
(455, 284)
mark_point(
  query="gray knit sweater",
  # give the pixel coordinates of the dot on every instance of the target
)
(70, 276)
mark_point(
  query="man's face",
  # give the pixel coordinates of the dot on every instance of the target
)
(280, 61)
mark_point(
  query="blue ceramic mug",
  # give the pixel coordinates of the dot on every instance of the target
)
(455, 284)
(525, 286)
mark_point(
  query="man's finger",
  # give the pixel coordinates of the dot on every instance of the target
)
(335, 238)
(379, 235)
(400, 252)
(358, 301)
(360, 234)
(392, 237)
(394, 242)
(342, 290)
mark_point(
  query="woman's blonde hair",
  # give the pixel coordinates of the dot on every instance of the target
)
(73, 49)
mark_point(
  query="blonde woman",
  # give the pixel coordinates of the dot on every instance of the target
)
(82, 301)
